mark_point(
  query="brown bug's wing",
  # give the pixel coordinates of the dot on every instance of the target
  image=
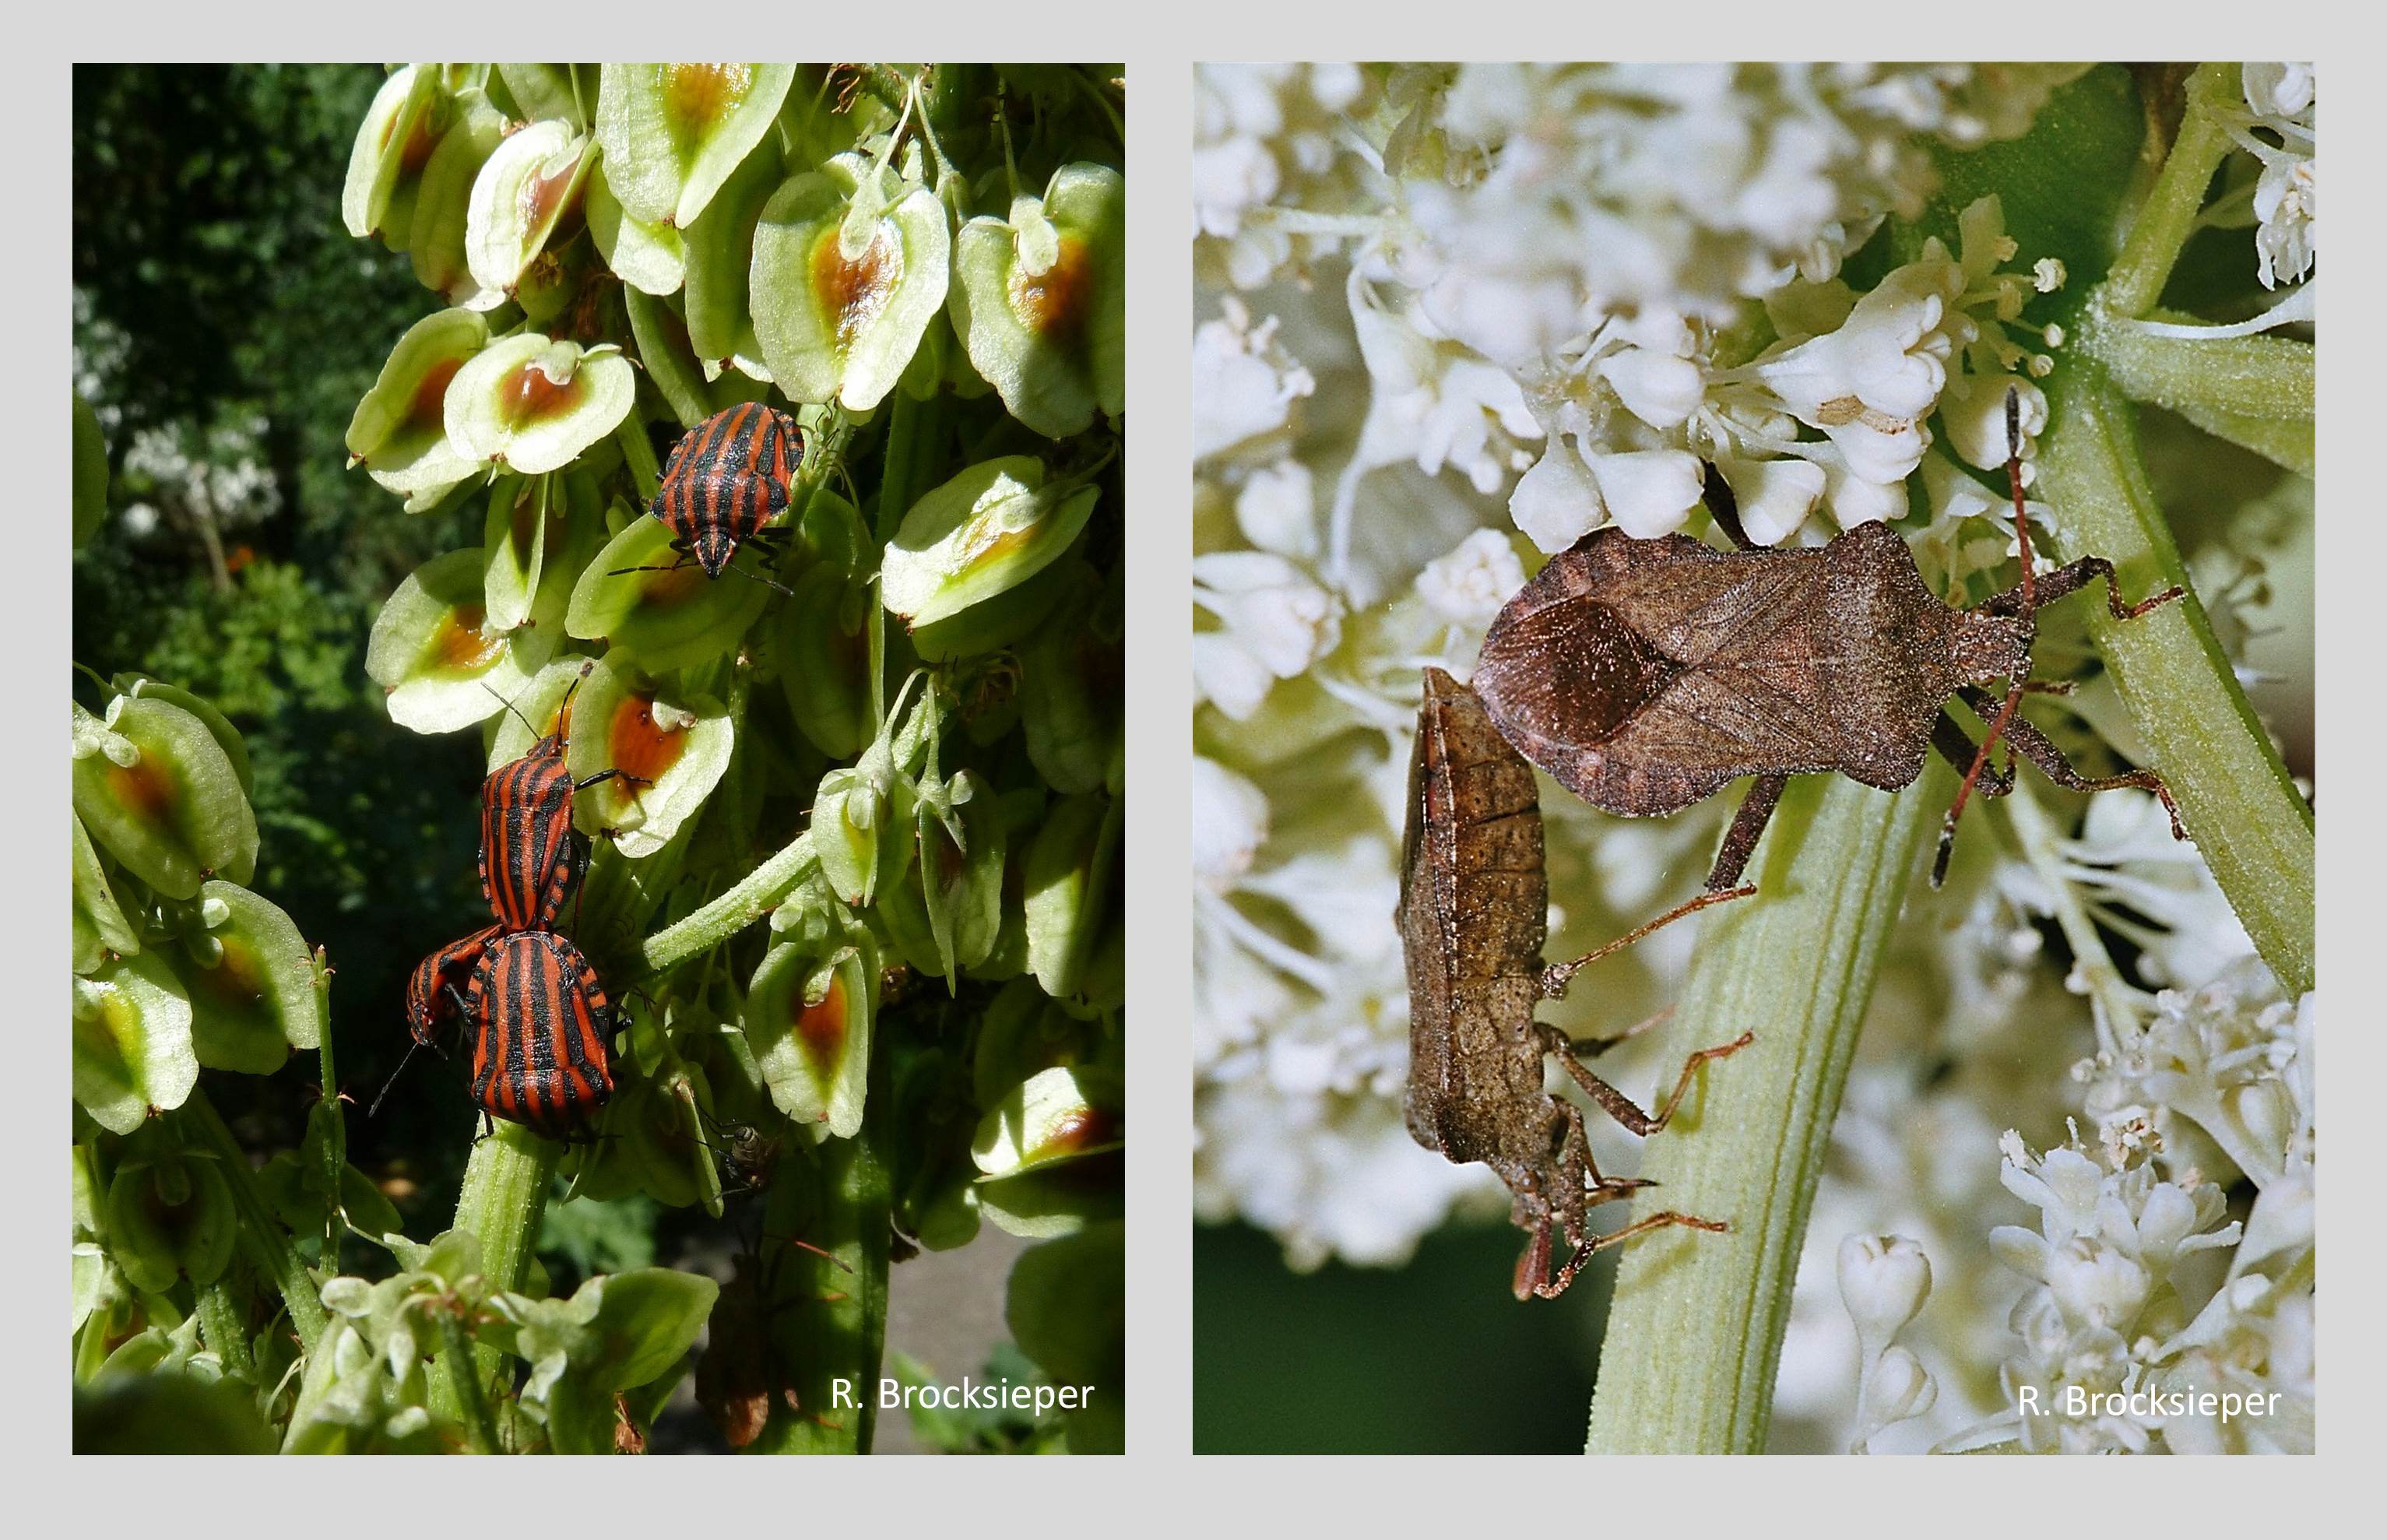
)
(1473, 907)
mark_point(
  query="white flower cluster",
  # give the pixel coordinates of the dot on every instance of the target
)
(2279, 100)
(1540, 273)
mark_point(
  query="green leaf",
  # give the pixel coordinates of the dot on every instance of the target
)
(820, 644)
(987, 530)
(433, 652)
(1057, 1115)
(677, 130)
(443, 204)
(521, 196)
(219, 725)
(719, 270)
(663, 610)
(842, 292)
(1040, 300)
(962, 884)
(1066, 1308)
(1067, 877)
(90, 473)
(808, 1023)
(172, 810)
(646, 255)
(668, 357)
(671, 745)
(533, 405)
(394, 138)
(131, 1042)
(100, 926)
(169, 1220)
(1072, 684)
(251, 983)
(399, 431)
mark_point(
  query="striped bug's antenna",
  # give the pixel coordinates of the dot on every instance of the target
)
(382, 1095)
(2015, 687)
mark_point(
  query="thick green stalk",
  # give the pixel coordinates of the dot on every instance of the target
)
(1695, 1333)
(755, 897)
(224, 1332)
(2262, 376)
(261, 1235)
(2168, 217)
(2250, 824)
(827, 1320)
(504, 1196)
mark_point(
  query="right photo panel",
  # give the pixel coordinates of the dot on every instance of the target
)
(1752, 719)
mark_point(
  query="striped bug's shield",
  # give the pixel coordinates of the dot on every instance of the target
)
(726, 478)
(541, 1021)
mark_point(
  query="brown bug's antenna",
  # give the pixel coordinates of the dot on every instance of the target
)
(2015, 688)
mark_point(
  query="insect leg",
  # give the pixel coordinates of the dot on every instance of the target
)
(1618, 1105)
(1591, 1048)
(2033, 745)
(1555, 977)
(1947, 736)
(1724, 509)
(1740, 840)
(1558, 1285)
(2073, 576)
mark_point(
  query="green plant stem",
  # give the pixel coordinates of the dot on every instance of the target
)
(504, 1195)
(262, 1238)
(2254, 830)
(335, 1142)
(472, 1405)
(1694, 1332)
(755, 897)
(828, 1321)
(911, 440)
(2263, 376)
(2168, 217)
(222, 1329)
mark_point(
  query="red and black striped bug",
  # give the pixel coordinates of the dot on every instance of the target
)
(433, 992)
(725, 478)
(529, 858)
(541, 1020)
(433, 987)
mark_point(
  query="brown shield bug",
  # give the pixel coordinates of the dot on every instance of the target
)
(1473, 915)
(1644, 675)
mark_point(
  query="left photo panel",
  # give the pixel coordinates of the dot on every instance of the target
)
(597, 778)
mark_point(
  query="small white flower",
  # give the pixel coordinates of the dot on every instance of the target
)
(2277, 90)
(1556, 502)
(1774, 496)
(1469, 586)
(1648, 492)
(1884, 1281)
(1659, 388)
(1277, 510)
(1271, 611)
(2287, 201)
(1974, 412)
(1231, 823)
(1244, 385)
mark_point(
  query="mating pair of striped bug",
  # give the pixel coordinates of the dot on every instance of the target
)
(538, 1016)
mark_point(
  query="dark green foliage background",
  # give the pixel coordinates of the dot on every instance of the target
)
(207, 232)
